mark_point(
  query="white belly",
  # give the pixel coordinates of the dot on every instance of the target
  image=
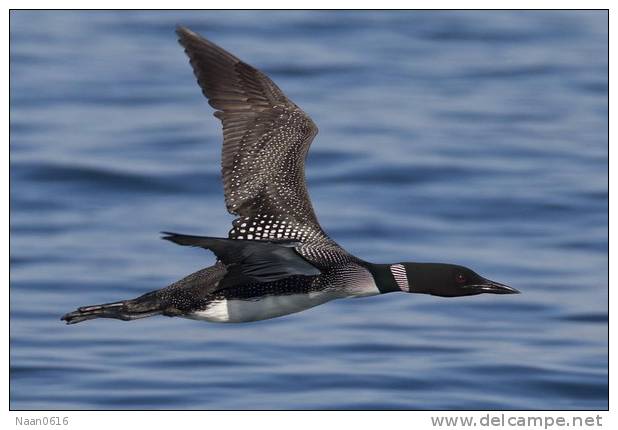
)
(264, 308)
(234, 311)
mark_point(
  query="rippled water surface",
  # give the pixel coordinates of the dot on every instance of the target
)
(477, 138)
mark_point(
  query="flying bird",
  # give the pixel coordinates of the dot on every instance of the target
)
(277, 259)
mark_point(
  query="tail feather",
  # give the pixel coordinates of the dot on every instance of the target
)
(125, 310)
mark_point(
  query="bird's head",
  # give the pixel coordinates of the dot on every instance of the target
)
(450, 280)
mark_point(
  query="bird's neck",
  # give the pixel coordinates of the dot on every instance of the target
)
(386, 277)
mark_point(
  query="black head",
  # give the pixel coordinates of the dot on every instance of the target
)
(450, 280)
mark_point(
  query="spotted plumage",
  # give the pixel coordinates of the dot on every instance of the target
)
(276, 259)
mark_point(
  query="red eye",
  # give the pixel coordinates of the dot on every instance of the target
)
(460, 279)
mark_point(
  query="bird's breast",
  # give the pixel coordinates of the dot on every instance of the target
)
(237, 310)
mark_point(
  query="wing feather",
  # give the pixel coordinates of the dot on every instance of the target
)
(266, 139)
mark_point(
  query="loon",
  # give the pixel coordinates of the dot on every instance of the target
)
(276, 260)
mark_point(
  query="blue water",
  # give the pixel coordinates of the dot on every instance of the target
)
(477, 138)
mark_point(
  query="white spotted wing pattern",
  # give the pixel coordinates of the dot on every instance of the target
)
(266, 138)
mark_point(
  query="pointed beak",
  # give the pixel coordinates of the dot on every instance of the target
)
(493, 287)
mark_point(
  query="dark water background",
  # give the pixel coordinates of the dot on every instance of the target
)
(477, 138)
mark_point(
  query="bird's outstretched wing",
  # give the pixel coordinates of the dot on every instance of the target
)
(266, 139)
